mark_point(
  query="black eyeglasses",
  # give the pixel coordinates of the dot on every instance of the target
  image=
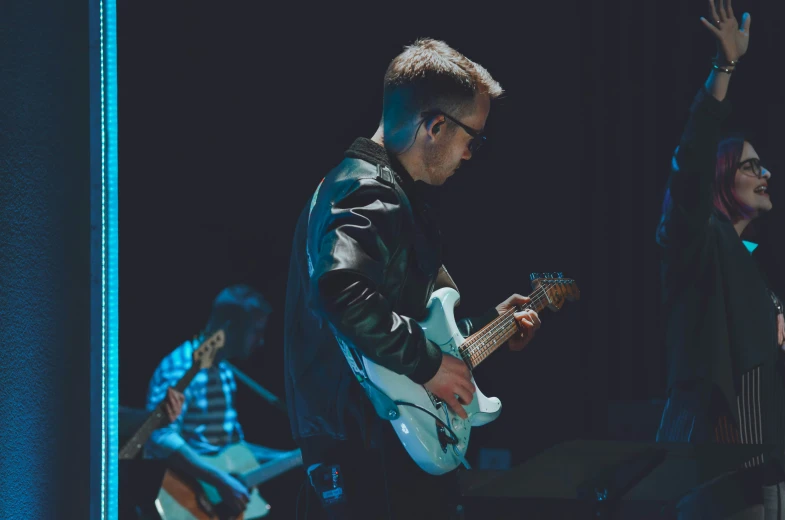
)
(478, 138)
(751, 167)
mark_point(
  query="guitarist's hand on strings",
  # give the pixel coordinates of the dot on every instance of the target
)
(453, 378)
(528, 321)
(173, 404)
(232, 492)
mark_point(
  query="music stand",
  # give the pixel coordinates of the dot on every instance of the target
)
(592, 477)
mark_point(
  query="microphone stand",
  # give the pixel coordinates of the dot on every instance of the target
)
(259, 389)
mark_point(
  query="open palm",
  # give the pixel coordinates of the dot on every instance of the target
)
(732, 40)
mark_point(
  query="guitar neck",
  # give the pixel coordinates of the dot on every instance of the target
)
(155, 420)
(487, 340)
(272, 469)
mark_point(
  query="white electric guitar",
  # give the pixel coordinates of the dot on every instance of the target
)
(435, 437)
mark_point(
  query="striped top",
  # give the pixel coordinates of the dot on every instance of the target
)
(748, 406)
(760, 404)
(208, 421)
(761, 408)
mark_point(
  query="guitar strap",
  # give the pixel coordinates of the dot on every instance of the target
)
(382, 404)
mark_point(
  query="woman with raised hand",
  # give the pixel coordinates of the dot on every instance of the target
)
(723, 325)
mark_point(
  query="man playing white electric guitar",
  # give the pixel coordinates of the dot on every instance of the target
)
(205, 442)
(365, 262)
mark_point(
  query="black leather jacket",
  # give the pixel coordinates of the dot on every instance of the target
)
(364, 262)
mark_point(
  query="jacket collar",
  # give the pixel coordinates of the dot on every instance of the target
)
(374, 153)
(421, 195)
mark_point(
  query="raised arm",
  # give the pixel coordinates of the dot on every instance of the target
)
(690, 191)
(732, 43)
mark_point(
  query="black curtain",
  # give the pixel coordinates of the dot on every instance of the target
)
(230, 117)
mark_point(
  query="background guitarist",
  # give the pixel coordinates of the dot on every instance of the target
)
(209, 420)
(365, 259)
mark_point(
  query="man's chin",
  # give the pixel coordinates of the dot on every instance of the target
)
(453, 172)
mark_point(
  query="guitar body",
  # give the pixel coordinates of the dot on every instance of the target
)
(418, 431)
(180, 499)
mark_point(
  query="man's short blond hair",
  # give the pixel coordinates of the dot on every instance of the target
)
(430, 75)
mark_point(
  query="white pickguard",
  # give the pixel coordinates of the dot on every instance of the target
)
(416, 429)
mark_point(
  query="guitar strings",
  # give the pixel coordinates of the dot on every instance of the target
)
(481, 344)
(503, 321)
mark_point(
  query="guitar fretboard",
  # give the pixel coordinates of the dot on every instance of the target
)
(482, 344)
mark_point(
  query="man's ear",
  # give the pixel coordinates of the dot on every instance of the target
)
(434, 124)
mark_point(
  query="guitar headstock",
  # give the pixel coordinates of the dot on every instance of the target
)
(556, 288)
(204, 355)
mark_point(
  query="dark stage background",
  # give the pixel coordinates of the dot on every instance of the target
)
(230, 116)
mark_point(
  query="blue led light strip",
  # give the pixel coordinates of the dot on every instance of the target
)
(109, 260)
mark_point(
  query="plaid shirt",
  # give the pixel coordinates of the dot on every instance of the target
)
(208, 421)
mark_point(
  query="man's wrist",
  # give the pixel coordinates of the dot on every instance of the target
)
(215, 476)
(428, 365)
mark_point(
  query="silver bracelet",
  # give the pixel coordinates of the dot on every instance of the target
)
(726, 70)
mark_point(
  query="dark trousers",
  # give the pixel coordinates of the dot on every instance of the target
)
(381, 482)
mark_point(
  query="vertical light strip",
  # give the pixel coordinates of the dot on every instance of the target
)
(109, 260)
(104, 425)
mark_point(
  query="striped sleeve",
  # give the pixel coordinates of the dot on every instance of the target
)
(166, 440)
(231, 424)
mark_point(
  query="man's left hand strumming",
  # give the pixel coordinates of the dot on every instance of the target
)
(528, 321)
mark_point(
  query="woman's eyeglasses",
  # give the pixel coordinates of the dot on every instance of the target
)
(752, 167)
